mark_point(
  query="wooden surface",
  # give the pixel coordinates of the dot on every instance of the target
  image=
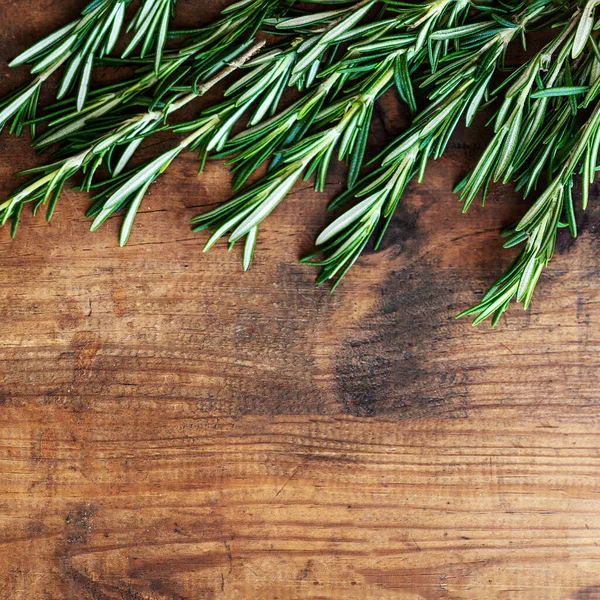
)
(173, 430)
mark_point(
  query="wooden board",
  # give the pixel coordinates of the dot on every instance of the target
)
(171, 429)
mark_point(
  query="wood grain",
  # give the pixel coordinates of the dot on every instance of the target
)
(173, 430)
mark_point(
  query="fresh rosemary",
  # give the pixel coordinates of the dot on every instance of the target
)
(302, 82)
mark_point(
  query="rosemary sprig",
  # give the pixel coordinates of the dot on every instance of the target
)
(49, 180)
(458, 88)
(538, 228)
(570, 85)
(253, 146)
(269, 75)
(123, 135)
(402, 37)
(76, 46)
(305, 136)
(203, 54)
(264, 84)
(348, 128)
(537, 231)
(443, 58)
(524, 114)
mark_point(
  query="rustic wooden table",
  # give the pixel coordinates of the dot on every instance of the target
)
(171, 429)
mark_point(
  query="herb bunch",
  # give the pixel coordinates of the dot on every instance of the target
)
(301, 81)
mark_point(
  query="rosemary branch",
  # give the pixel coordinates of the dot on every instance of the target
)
(304, 137)
(458, 88)
(49, 180)
(270, 74)
(76, 46)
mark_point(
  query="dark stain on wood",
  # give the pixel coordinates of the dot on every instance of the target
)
(79, 524)
(588, 593)
(391, 365)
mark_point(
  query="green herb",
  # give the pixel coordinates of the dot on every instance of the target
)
(457, 88)
(444, 59)
(76, 47)
(123, 136)
(295, 63)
